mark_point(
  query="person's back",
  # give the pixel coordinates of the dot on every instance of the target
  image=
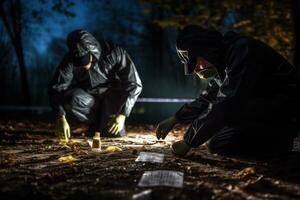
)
(276, 73)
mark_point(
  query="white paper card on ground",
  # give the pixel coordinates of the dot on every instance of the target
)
(150, 157)
(161, 178)
(144, 195)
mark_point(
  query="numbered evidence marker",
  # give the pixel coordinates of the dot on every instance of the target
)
(161, 178)
(150, 157)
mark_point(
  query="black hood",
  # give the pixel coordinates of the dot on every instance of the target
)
(81, 43)
(198, 41)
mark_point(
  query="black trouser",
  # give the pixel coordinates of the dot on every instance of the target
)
(264, 127)
(260, 141)
(94, 109)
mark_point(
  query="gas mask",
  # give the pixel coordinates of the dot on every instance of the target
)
(206, 73)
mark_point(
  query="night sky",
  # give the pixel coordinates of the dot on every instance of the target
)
(89, 15)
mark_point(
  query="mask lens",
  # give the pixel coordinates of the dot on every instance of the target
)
(206, 73)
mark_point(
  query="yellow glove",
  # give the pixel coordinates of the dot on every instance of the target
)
(62, 129)
(165, 127)
(116, 124)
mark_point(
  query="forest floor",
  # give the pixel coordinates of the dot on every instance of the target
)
(30, 167)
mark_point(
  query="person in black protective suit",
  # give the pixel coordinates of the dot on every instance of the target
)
(96, 82)
(251, 104)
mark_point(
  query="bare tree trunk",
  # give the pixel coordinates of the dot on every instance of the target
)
(23, 70)
(15, 34)
(156, 40)
(296, 8)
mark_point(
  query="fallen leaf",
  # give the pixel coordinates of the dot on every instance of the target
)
(69, 142)
(245, 173)
(67, 159)
(112, 149)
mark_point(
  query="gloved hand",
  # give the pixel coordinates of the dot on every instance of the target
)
(116, 124)
(180, 148)
(165, 127)
(62, 129)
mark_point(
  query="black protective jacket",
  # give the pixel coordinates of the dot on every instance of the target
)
(112, 68)
(247, 69)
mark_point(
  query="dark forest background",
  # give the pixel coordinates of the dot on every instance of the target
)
(33, 33)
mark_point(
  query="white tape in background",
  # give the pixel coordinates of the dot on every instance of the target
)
(150, 157)
(41, 109)
(162, 178)
(164, 100)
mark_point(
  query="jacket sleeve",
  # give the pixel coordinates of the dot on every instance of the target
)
(59, 84)
(241, 77)
(130, 81)
(190, 111)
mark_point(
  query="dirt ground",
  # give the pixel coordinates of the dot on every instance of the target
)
(30, 169)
